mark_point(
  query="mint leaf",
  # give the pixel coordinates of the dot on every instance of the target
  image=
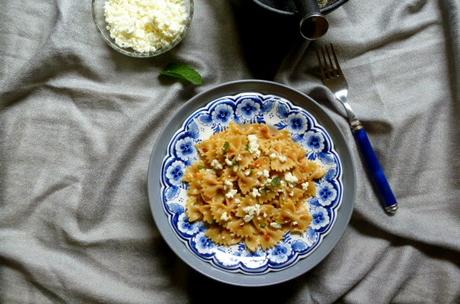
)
(182, 71)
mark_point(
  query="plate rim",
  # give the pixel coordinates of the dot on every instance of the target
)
(169, 158)
(240, 279)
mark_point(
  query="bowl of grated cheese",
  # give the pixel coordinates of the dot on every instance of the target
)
(142, 28)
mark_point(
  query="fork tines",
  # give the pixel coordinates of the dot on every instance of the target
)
(329, 68)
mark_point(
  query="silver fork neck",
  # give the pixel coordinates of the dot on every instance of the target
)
(342, 97)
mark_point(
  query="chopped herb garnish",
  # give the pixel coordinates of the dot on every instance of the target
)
(247, 147)
(200, 167)
(226, 147)
(276, 181)
(262, 225)
(235, 162)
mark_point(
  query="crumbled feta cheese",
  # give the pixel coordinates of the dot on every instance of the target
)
(145, 25)
(237, 201)
(275, 225)
(254, 145)
(235, 168)
(282, 158)
(231, 193)
(266, 173)
(251, 211)
(291, 194)
(290, 178)
(224, 216)
(238, 158)
(228, 184)
(255, 192)
(247, 172)
(305, 186)
(216, 164)
(294, 223)
(259, 173)
(228, 162)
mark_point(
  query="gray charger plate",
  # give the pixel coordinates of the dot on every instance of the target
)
(240, 279)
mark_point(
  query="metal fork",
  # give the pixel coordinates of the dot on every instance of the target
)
(334, 79)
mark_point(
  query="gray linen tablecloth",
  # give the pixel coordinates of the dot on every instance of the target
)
(77, 124)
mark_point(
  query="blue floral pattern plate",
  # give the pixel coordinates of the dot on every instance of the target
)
(251, 108)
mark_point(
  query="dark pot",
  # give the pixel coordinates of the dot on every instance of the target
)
(268, 31)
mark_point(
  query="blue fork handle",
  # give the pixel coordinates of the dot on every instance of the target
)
(376, 171)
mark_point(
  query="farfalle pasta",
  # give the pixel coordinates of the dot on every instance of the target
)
(251, 185)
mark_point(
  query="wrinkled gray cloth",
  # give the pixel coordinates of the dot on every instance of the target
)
(78, 121)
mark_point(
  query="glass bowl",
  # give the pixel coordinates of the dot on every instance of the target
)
(99, 20)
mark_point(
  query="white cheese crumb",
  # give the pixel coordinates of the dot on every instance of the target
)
(282, 158)
(305, 186)
(255, 192)
(228, 162)
(145, 25)
(275, 225)
(238, 158)
(229, 184)
(216, 164)
(247, 172)
(231, 193)
(224, 216)
(266, 173)
(251, 211)
(291, 194)
(254, 145)
(237, 201)
(294, 223)
(290, 178)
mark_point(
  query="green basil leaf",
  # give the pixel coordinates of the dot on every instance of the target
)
(226, 147)
(276, 181)
(184, 72)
